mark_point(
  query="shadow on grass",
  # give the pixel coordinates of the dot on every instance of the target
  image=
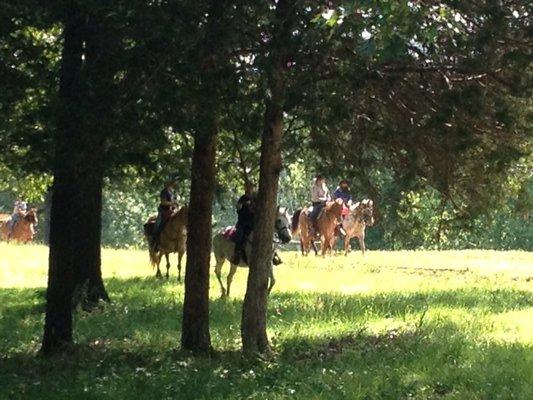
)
(147, 310)
(432, 362)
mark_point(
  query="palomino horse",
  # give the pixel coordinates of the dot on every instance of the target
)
(224, 248)
(173, 239)
(326, 223)
(24, 229)
(359, 217)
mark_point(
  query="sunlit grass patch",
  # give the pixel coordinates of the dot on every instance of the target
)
(390, 325)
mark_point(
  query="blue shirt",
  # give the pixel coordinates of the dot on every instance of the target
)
(340, 194)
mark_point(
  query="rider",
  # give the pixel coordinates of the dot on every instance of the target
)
(19, 210)
(319, 197)
(168, 202)
(343, 192)
(245, 221)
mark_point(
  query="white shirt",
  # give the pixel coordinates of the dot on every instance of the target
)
(319, 193)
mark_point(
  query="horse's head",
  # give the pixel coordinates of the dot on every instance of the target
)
(364, 211)
(283, 225)
(31, 217)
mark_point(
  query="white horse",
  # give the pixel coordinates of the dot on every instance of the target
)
(224, 248)
(360, 216)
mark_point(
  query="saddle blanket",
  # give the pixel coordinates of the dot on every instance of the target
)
(229, 232)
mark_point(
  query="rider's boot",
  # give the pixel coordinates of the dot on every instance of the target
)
(236, 256)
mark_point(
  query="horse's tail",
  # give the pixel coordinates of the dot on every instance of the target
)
(295, 220)
(153, 256)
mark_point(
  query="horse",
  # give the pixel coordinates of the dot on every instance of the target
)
(326, 223)
(360, 216)
(24, 228)
(173, 239)
(224, 248)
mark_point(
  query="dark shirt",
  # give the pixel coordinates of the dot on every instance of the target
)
(245, 210)
(340, 194)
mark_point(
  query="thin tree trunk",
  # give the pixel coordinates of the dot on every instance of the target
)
(195, 323)
(254, 314)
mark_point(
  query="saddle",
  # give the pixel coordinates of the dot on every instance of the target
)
(229, 233)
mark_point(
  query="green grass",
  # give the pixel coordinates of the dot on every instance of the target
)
(391, 325)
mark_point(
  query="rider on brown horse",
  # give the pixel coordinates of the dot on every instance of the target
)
(168, 203)
(319, 197)
(19, 211)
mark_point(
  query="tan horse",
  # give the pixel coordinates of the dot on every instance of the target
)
(224, 248)
(173, 239)
(326, 223)
(24, 229)
(360, 216)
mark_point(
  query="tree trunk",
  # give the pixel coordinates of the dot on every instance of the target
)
(84, 121)
(211, 59)
(195, 324)
(63, 270)
(254, 314)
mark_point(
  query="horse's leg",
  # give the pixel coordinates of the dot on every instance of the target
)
(218, 270)
(168, 263)
(180, 256)
(314, 247)
(272, 279)
(346, 244)
(232, 270)
(158, 261)
(362, 243)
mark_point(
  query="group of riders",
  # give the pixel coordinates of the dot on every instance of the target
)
(245, 208)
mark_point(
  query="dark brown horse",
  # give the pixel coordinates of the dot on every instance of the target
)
(23, 230)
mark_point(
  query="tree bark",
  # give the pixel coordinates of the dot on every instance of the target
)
(84, 123)
(254, 314)
(63, 270)
(195, 323)
(211, 59)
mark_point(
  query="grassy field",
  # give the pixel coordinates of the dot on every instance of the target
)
(391, 325)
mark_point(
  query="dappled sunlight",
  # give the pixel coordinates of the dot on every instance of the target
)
(378, 325)
(512, 327)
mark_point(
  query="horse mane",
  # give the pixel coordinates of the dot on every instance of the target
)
(31, 216)
(295, 219)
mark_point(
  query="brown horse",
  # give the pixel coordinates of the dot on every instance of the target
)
(173, 239)
(24, 229)
(326, 223)
(360, 216)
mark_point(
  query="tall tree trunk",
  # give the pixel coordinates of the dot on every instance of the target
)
(63, 269)
(254, 314)
(84, 121)
(195, 324)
